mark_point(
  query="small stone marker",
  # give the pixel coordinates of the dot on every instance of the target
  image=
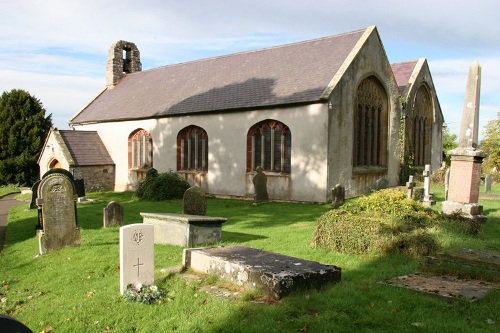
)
(34, 194)
(260, 184)
(59, 227)
(488, 180)
(381, 184)
(427, 200)
(338, 195)
(194, 201)
(112, 214)
(136, 255)
(409, 186)
(446, 183)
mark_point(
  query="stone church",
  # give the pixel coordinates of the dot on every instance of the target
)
(312, 114)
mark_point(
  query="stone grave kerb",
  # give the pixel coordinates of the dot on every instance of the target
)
(136, 256)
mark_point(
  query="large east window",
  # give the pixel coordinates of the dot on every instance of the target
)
(370, 124)
(192, 149)
(269, 145)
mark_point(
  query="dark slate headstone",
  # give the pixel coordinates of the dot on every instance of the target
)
(80, 188)
(194, 201)
(10, 325)
(112, 214)
(260, 184)
(56, 199)
(381, 184)
(338, 196)
(34, 193)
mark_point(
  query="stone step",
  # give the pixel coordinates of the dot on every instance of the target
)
(465, 262)
(275, 274)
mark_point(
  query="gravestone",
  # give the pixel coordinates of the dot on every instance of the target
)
(80, 188)
(428, 196)
(466, 159)
(338, 196)
(34, 194)
(56, 200)
(260, 185)
(446, 183)
(409, 187)
(381, 184)
(112, 214)
(194, 201)
(136, 255)
(488, 180)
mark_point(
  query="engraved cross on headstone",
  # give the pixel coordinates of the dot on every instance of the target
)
(138, 266)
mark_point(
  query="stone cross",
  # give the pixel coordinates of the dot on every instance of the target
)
(427, 201)
(470, 117)
(338, 196)
(409, 186)
(136, 255)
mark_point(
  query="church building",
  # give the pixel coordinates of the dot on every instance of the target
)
(312, 114)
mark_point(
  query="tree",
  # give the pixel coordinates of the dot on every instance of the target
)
(449, 143)
(491, 143)
(23, 129)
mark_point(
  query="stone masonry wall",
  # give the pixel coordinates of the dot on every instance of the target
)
(97, 178)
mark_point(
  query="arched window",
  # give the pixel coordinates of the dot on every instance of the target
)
(422, 127)
(140, 150)
(192, 149)
(269, 145)
(370, 124)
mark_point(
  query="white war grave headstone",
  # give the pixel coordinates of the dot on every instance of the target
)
(136, 255)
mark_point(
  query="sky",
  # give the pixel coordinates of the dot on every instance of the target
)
(57, 49)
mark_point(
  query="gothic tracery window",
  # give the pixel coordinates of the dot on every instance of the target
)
(140, 150)
(370, 124)
(192, 149)
(421, 127)
(269, 145)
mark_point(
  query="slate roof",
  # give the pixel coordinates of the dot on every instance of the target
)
(402, 72)
(282, 75)
(86, 148)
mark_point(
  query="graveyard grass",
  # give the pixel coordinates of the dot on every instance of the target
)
(77, 289)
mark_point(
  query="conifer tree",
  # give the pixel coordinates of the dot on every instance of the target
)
(23, 129)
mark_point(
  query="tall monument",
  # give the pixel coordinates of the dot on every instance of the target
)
(466, 160)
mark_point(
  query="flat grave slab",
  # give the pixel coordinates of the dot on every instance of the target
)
(275, 274)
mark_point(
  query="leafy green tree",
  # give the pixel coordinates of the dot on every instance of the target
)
(23, 129)
(491, 143)
(449, 143)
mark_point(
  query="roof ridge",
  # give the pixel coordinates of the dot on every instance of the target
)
(253, 51)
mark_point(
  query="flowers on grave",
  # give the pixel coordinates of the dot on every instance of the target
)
(144, 294)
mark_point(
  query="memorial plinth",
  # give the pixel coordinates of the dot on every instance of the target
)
(184, 229)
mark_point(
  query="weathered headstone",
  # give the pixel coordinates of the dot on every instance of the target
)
(381, 184)
(112, 214)
(56, 199)
(409, 187)
(136, 255)
(446, 183)
(260, 184)
(194, 201)
(466, 160)
(338, 196)
(427, 199)
(80, 188)
(488, 180)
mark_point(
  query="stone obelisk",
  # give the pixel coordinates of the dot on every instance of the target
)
(466, 160)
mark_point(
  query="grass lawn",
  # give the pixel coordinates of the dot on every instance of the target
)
(4, 190)
(77, 289)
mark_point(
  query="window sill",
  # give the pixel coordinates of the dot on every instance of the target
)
(271, 174)
(369, 169)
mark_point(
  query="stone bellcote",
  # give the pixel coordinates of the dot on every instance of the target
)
(123, 58)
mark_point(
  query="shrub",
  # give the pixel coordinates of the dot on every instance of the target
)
(383, 222)
(161, 186)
